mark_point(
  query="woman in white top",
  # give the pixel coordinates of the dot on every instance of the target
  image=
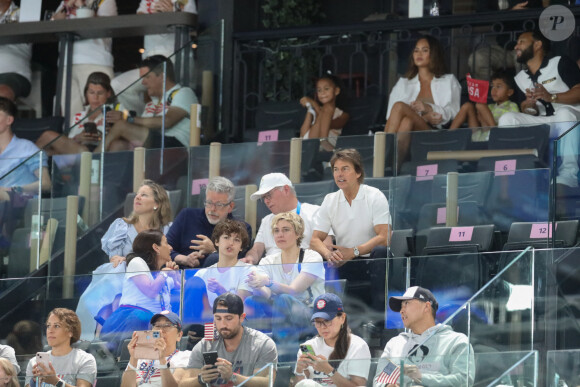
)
(335, 357)
(150, 277)
(426, 97)
(67, 366)
(89, 55)
(151, 210)
(97, 92)
(287, 282)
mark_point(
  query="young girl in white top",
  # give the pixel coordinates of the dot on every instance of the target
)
(150, 277)
(323, 118)
(340, 358)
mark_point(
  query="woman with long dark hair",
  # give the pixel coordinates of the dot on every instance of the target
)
(340, 358)
(426, 97)
(151, 210)
(150, 277)
(97, 92)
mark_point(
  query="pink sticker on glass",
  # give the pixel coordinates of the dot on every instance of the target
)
(426, 172)
(540, 230)
(505, 167)
(267, 135)
(461, 234)
(442, 215)
(197, 184)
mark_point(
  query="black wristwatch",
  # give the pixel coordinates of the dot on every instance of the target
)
(201, 381)
(60, 383)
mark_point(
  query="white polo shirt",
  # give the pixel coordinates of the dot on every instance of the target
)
(353, 224)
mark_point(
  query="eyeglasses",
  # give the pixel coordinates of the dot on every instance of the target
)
(217, 205)
(322, 323)
(164, 327)
(268, 195)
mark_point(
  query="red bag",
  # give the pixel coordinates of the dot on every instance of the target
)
(477, 89)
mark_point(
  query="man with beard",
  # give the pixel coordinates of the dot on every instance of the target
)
(550, 93)
(241, 351)
(434, 354)
(190, 233)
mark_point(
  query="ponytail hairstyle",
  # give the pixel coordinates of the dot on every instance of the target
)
(143, 248)
(342, 343)
(341, 100)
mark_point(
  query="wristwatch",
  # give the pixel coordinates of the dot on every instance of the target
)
(331, 373)
(356, 252)
(234, 378)
(201, 381)
(554, 97)
(60, 383)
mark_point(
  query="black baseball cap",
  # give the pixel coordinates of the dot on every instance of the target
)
(414, 293)
(230, 303)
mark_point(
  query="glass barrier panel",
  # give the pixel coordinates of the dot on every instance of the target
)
(23, 181)
(496, 368)
(500, 314)
(565, 167)
(483, 198)
(562, 368)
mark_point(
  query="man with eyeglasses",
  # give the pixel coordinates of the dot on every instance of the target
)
(171, 366)
(433, 354)
(190, 233)
(241, 351)
(278, 194)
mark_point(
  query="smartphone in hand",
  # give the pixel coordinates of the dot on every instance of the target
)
(43, 358)
(90, 128)
(210, 358)
(307, 349)
(145, 348)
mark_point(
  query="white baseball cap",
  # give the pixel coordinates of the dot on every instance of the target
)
(269, 182)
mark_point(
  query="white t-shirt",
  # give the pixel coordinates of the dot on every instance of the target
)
(353, 224)
(95, 51)
(231, 278)
(162, 44)
(356, 363)
(311, 264)
(77, 364)
(183, 99)
(131, 294)
(179, 360)
(308, 213)
(15, 58)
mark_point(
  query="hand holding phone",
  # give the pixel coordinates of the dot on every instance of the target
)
(210, 358)
(44, 359)
(90, 128)
(307, 349)
(145, 348)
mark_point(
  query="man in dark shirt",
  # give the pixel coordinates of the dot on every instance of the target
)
(190, 233)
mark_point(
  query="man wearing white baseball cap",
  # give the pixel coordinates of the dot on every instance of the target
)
(278, 194)
(434, 354)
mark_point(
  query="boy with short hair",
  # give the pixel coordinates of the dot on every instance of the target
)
(502, 87)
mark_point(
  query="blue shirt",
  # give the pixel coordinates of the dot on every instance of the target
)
(15, 153)
(189, 223)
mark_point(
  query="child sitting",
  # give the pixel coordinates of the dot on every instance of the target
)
(480, 114)
(323, 118)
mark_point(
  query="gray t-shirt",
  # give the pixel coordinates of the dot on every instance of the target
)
(7, 352)
(77, 364)
(255, 351)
